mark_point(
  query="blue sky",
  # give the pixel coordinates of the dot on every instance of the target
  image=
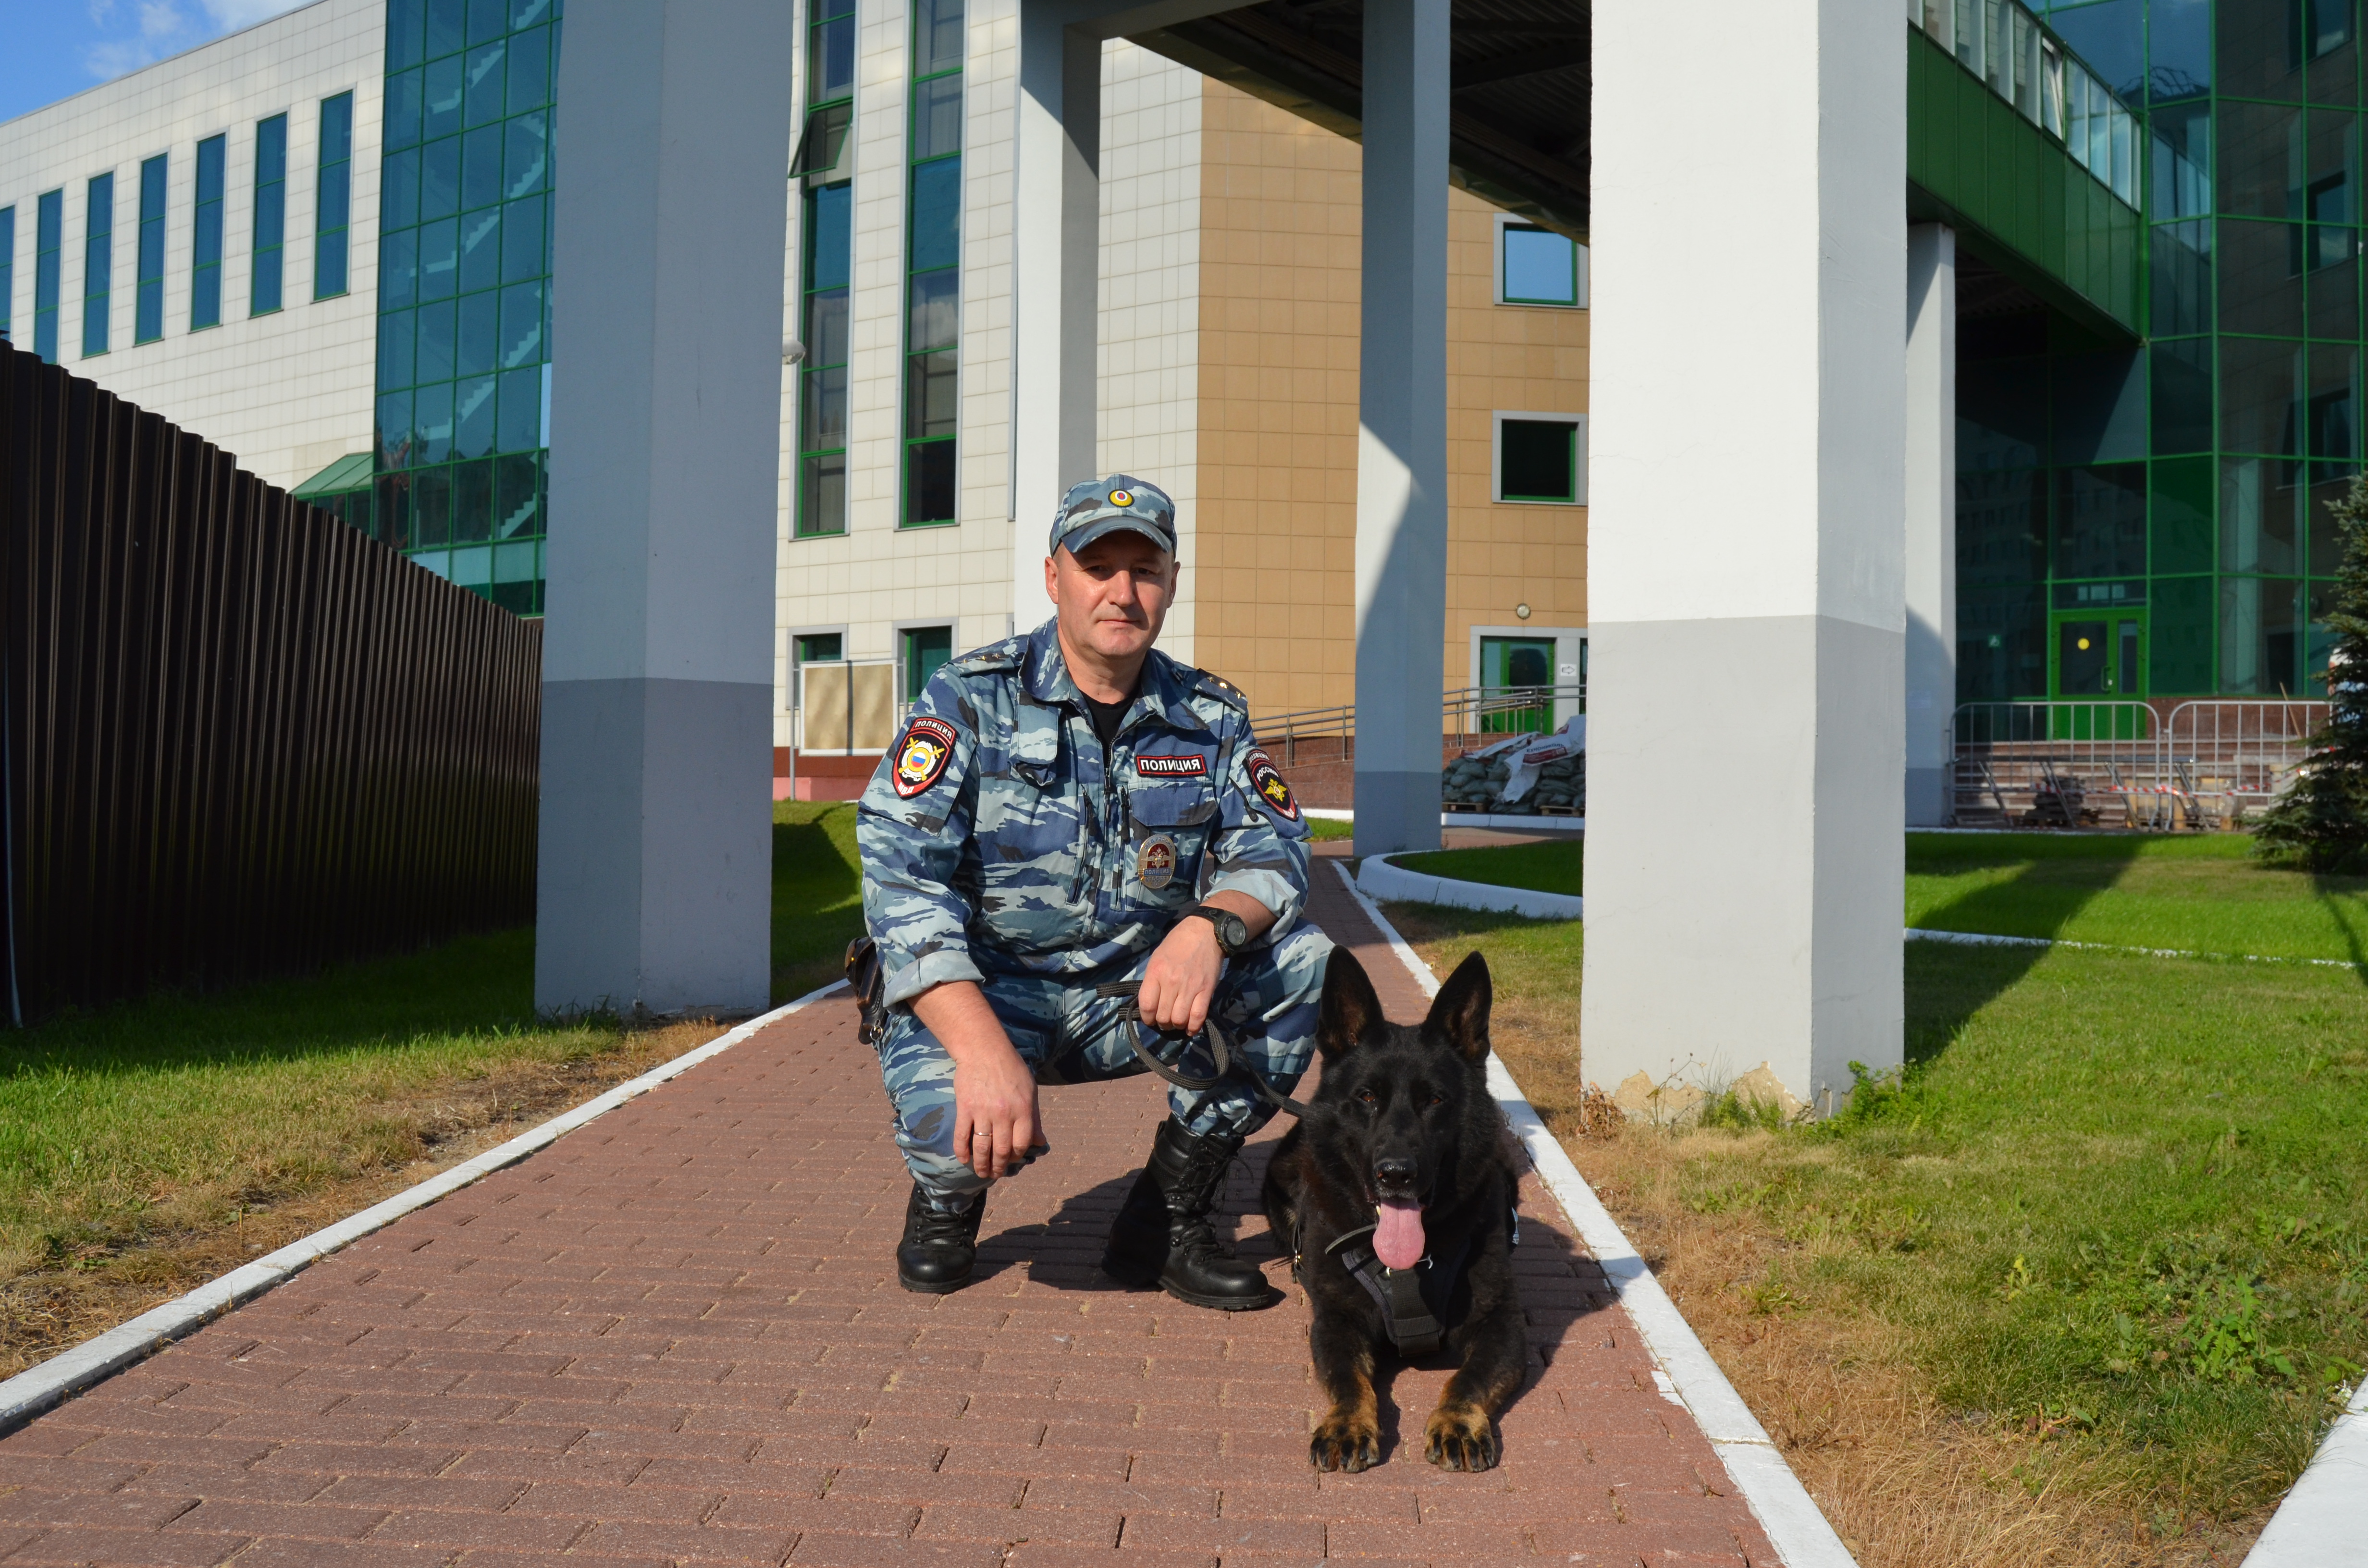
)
(56, 48)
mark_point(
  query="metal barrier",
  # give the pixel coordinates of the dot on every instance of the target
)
(2120, 763)
(2242, 751)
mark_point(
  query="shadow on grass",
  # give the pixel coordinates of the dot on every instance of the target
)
(817, 899)
(2053, 880)
(2355, 926)
(470, 985)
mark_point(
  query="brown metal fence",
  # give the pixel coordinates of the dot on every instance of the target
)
(237, 738)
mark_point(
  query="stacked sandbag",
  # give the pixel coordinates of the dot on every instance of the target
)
(1474, 781)
(1563, 784)
(1525, 775)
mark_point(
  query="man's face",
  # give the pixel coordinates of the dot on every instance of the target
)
(1113, 595)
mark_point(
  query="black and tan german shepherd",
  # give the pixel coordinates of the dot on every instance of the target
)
(1394, 1198)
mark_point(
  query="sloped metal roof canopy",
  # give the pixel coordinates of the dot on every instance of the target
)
(1522, 74)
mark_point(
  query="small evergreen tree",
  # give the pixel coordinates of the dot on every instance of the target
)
(2322, 822)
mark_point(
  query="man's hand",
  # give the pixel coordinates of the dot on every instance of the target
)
(1182, 975)
(997, 1125)
(1181, 978)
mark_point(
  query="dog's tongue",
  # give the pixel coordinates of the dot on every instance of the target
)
(1397, 1240)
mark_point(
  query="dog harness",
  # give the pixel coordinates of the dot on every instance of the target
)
(1412, 1300)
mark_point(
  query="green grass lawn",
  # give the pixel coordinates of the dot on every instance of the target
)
(817, 893)
(1555, 866)
(2120, 1201)
(2199, 894)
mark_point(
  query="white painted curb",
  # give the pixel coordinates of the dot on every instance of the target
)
(2322, 1519)
(33, 1391)
(1380, 877)
(1978, 939)
(1512, 822)
(1802, 1536)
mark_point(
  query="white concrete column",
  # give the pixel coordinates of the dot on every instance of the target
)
(1401, 427)
(1744, 573)
(656, 839)
(1931, 520)
(1056, 260)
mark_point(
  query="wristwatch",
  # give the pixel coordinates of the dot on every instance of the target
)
(1232, 931)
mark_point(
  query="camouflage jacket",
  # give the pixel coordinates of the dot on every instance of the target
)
(997, 839)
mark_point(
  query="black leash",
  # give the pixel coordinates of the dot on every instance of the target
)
(1220, 1051)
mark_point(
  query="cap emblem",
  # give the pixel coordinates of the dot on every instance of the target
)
(1121, 497)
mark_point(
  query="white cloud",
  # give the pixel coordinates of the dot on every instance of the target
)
(134, 33)
(155, 28)
(231, 14)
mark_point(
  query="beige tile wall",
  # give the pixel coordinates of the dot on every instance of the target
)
(1280, 223)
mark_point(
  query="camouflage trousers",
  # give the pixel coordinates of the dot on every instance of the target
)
(1265, 1004)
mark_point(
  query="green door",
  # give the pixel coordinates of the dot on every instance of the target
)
(1512, 669)
(2099, 656)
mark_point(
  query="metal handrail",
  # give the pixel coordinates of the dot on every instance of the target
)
(1463, 714)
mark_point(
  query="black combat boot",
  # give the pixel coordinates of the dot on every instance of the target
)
(939, 1249)
(1162, 1235)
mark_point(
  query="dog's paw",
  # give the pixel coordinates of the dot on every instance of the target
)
(1345, 1442)
(1460, 1437)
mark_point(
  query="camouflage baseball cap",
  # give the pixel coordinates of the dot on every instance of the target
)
(1101, 507)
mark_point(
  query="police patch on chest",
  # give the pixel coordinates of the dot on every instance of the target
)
(1154, 863)
(1267, 779)
(1192, 766)
(922, 755)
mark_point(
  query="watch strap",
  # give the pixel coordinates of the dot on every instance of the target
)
(1218, 920)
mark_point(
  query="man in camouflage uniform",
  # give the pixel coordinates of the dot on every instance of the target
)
(1065, 809)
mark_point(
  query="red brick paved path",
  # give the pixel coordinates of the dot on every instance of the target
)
(677, 1336)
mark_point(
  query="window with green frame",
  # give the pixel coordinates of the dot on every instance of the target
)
(933, 265)
(1540, 458)
(148, 295)
(206, 236)
(48, 239)
(822, 379)
(924, 648)
(270, 214)
(1538, 266)
(97, 263)
(333, 197)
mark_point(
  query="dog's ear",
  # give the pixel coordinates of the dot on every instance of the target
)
(1460, 1011)
(1349, 1011)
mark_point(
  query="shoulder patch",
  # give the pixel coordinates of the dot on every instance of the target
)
(922, 755)
(1221, 688)
(1004, 655)
(1267, 779)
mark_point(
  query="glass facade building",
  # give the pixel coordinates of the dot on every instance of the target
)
(464, 299)
(2144, 515)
